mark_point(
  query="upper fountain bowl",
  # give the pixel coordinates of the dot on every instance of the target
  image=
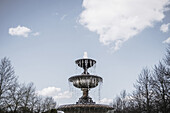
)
(85, 81)
(85, 63)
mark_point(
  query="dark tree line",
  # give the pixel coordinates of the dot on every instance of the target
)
(20, 98)
(152, 91)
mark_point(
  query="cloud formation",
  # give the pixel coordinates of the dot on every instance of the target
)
(19, 31)
(65, 94)
(116, 21)
(55, 93)
(50, 91)
(167, 41)
(165, 27)
(22, 31)
(106, 101)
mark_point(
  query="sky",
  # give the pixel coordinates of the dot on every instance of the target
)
(43, 38)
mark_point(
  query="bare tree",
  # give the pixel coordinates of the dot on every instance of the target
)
(38, 107)
(137, 100)
(167, 56)
(123, 96)
(120, 103)
(144, 83)
(35, 103)
(152, 91)
(28, 96)
(167, 63)
(15, 96)
(48, 104)
(7, 80)
(161, 87)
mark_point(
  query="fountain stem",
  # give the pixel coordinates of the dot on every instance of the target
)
(85, 92)
(85, 99)
(85, 71)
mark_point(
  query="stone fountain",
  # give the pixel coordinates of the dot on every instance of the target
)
(85, 82)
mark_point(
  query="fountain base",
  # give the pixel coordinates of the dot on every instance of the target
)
(85, 108)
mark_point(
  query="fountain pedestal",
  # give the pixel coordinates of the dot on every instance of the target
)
(85, 82)
(85, 99)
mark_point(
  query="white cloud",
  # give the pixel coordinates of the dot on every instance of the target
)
(165, 27)
(65, 94)
(36, 34)
(167, 41)
(50, 91)
(106, 101)
(19, 31)
(55, 93)
(116, 21)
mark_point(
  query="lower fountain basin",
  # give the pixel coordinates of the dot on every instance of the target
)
(85, 108)
(85, 81)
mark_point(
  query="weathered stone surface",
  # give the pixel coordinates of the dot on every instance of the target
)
(85, 108)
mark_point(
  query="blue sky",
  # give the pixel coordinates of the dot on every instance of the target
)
(43, 38)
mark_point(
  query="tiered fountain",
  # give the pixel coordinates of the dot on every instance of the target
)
(85, 82)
